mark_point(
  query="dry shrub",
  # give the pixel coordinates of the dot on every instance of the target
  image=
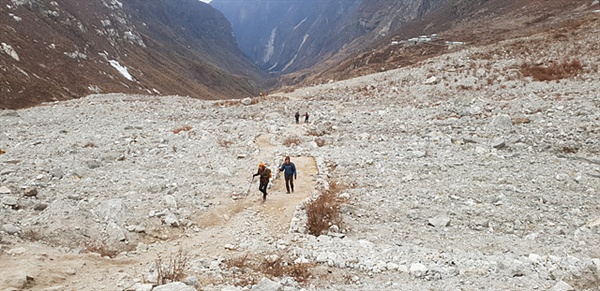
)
(183, 128)
(32, 235)
(324, 211)
(554, 71)
(224, 143)
(321, 130)
(100, 248)
(90, 144)
(238, 262)
(521, 120)
(227, 103)
(320, 142)
(248, 271)
(292, 140)
(570, 150)
(173, 269)
(299, 271)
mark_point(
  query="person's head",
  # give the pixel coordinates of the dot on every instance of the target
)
(261, 166)
(287, 160)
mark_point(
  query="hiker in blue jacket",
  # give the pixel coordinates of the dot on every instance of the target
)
(289, 171)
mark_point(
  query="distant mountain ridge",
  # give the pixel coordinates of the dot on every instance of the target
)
(63, 49)
(286, 36)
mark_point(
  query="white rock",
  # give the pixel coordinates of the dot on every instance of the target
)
(266, 284)
(171, 202)
(17, 251)
(441, 220)
(142, 287)
(4, 190)
(246, 101)
(176, 286)
(562, 286)
(171, 220)
(418, 270)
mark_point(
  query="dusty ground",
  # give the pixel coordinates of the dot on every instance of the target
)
(57, 269)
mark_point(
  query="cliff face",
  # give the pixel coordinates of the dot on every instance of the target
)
(63, 49)
(285, 36)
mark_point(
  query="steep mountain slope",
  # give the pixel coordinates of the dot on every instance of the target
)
(285, 36)
(472, 22)
(63, 49)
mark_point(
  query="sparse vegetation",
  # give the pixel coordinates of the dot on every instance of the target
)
(278, 268)
(32, 235)
(183, 128)
(521, 120)
(570, 150)
(324, 211)
(173, 268)
(101, 248)
(224, 143)
(247, 271)
(554, 71)
(293, 140)
(321, 130)
(320, 142)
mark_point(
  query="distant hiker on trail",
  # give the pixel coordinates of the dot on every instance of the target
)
(289, 171)
(297, 117)
(265, 175)
(306, 117)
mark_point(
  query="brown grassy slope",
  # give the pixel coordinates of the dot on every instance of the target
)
(475, 22)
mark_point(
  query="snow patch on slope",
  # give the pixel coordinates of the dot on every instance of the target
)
(121, 69)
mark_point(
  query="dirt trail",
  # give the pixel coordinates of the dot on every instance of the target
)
(222, 225)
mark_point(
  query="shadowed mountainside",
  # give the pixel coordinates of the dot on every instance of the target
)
(64, 49)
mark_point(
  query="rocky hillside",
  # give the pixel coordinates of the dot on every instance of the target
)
(475, 170)
(63, 49)
(463, 22)
(285, 36)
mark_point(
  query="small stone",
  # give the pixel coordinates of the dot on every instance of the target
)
(142, 287)
(16, 251)
(10, 229)
(230, 247)
(498, 143)
(418, 270)
(246, 101)
(191, 281)
(10, 201)
(440, 221)
(170, 201)
(334, 228)
(40, 207)
(176, 286)
(30, 192)
(562, 286)
(266, 284)
(171, 220)
(4, 190)
(271, 259)
(392, 266)
(431, 80)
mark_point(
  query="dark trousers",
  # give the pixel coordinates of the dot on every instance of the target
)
(263, 188)
(289, 182)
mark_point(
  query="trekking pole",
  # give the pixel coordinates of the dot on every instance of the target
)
(249, 186)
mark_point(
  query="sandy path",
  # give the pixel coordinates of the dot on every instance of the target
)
(231, 222)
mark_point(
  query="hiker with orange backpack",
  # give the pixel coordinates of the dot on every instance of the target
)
(265, 175)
